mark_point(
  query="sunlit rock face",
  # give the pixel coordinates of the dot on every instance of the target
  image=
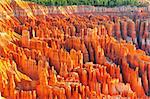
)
(69, 55)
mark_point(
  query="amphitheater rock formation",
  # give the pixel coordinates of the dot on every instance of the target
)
(59, 53)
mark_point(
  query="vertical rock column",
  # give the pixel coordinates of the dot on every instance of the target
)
(100, 58)
(25, 38)
(11, 85)
(140, 40)
(109, 27)
(131, 32)
(146, 37)
(117, 30)
(42, 88)
(124, 29)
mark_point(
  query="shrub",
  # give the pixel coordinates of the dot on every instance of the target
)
(107, 3)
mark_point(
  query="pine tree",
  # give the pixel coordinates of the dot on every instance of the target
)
(109, 3)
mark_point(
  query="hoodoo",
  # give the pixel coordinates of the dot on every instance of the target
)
(74, 52)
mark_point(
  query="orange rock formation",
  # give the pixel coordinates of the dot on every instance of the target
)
(73, 56)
